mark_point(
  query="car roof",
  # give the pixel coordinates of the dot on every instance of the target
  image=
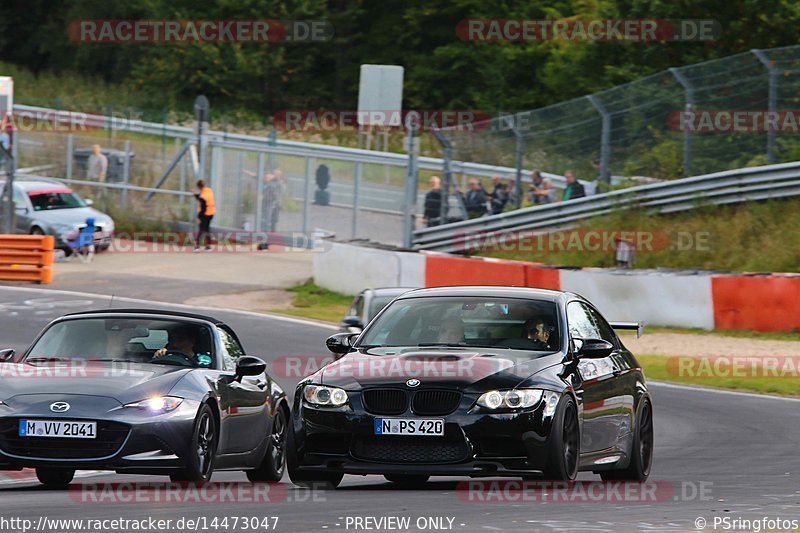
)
(389, 291)
(35, 183)
(491, 292)
(145, 313)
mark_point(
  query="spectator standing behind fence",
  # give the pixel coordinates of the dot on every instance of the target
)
(433, 203)
(98, 165)
(205, 212)
(540, 191)
(499, 195)
(273, 196)
(511, 191)
(475, 199)
(574, 189)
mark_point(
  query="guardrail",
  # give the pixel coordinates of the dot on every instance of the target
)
(26, 258)
(278, 146)
(732, 186)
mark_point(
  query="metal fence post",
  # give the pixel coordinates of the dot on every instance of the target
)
(519, 153)
(688, 89)
(356, 189)
(447, 161)
(772, 99)
(126, 174)
(70, 150)
(307, 196)
(605, 138)
(410, 203)
(259, 225)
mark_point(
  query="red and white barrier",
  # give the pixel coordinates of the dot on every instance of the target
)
(709, 301)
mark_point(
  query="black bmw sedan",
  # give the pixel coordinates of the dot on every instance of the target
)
(475, 381)
(145, 392)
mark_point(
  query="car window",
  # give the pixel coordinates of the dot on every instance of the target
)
(45, 200)
(586, 323)
(233, 350)
(603, 328)
(357, 307)
(581, 324)
(377, 304)
(19, 198)
(510, 323)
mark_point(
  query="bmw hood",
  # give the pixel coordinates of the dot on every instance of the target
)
(124, 383)
(468, 370)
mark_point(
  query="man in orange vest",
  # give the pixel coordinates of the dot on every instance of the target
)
(205, 212)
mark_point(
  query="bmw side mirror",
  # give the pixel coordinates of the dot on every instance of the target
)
(247, 365)
(593, 348)
(341, 343)
(7, 355)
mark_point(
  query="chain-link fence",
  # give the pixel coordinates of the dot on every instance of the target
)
(329, 191)
(686, 121)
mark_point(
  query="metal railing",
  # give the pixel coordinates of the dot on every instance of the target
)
(732, 186)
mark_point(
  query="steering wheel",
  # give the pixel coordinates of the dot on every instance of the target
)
(176, 356)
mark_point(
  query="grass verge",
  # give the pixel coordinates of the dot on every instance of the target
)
(317, 303)
(704, 373)
(751, 237)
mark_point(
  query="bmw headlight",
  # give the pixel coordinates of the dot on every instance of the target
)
(510, 399)
(320, 395)
(157, 404)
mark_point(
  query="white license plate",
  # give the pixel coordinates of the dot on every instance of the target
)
(70, 429)
(409, 426)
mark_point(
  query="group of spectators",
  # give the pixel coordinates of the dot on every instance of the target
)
(479, 202)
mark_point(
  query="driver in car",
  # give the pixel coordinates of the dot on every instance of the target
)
(538, 331)
(181, 343)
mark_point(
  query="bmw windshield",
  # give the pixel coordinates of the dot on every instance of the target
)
(508, 323)
(133, 340)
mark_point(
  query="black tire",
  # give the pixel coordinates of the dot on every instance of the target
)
(274, 463)
(642, 450)
(200, 460)
(55, 478)
(316, 480)
(408, 481)
(36, 230)
(565, 443)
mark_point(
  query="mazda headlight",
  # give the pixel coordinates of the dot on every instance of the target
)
(320, 395)
(510, 399)
(157, 404)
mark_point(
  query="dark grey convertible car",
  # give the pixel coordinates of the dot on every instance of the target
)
(135, 391)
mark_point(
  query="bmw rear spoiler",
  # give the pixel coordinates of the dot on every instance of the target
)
(638, 327)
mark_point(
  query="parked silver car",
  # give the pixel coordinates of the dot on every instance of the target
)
(46, 206)
(366, 305)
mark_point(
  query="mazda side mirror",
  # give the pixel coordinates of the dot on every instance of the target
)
(341, 343)
(593, 348)
(7, 355)
(247, 365)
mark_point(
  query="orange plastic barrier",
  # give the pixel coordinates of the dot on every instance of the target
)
(445, 271)
(26, 258)
(542, 278)
(761, 303)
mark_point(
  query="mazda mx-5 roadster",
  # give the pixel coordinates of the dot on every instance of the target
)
(147, 392)
(475, 381)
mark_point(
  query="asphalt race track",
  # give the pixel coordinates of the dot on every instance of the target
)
(717, 455)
